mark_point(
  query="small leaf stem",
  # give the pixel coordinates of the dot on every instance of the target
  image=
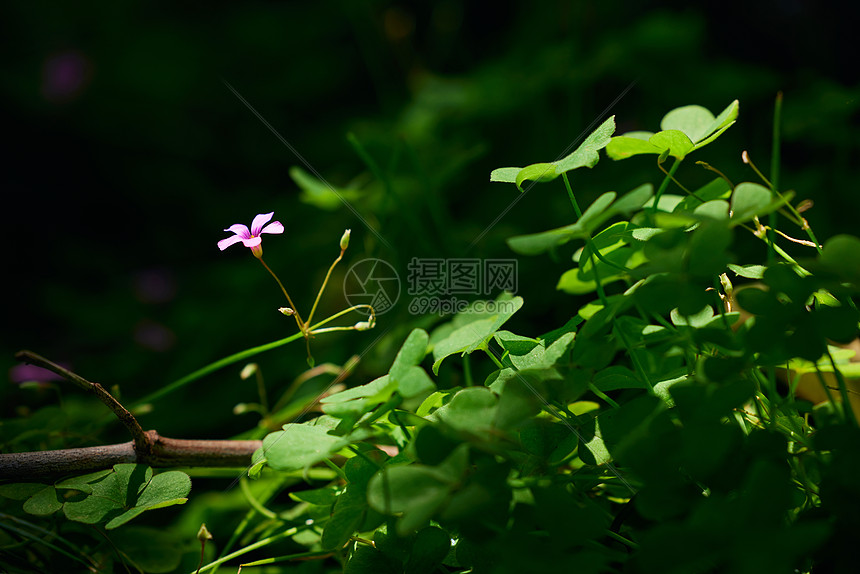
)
(824, 386)
(664, 185)
(843, 391)
(618, 538)
(467, 371)
(635, 359)
(593, 388)
(589, 242)
(572, 197)
(494, 358)
(255, 504)
(774, 173)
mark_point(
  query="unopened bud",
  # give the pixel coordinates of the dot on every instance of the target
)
(286, 311)
(365, 325)
(203, 534)
(248, 371)
(804, 205)
(344, 240)
(726, 283)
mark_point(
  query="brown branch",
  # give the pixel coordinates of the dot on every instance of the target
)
(141, 442)
(164, 453)
(146, 447)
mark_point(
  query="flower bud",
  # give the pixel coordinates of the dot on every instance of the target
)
(344, 240)
(726, 284)
(203, 534)
(248, 371)
(365, 325)
(286, 311)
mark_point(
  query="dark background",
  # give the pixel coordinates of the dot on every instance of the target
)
(127, 155)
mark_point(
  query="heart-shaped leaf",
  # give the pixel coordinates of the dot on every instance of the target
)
(298, 446)
(584, 156)
(472, 328)
(684, 130)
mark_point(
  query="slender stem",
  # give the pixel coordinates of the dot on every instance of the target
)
(467, 371)
(678, 183)
(774, 174)
(212, 367)
(287, 295)
(709, 167)
(332, 330)
(313, 329)
(618, 538)
(592, 248)
(289, 558)
(593, 388)
(322, 288)
(261, 390)
(259, 544)
(494, 359)
(635, 359)
(596, 252)
(6, 523)
(843, 391)
(571, 196)
(255, 504)
(788, 210)
(664, 185)
(745, 156)
(775, 152)
(824, 386)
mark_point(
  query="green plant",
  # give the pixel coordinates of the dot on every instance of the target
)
(648, 432)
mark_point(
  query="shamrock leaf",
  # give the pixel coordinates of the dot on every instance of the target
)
(684, 130)
(584, 156)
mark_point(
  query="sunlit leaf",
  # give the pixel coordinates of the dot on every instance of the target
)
(586, 155)
(472, 328)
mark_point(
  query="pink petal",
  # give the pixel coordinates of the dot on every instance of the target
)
(259, 221)
(240, 230)
(225, 243)
(252, 242)
(273, 227)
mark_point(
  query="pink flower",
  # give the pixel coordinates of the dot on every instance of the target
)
(252, 238)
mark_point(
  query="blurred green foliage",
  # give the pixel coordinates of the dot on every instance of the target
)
(129, 155)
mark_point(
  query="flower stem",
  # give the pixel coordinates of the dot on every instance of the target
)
(290, 301)
(322, 288)
(313, 329)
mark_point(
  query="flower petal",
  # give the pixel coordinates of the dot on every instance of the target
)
(240, 230)
(225, 243)
(273, 227)
(252, 242)
(259, 221)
